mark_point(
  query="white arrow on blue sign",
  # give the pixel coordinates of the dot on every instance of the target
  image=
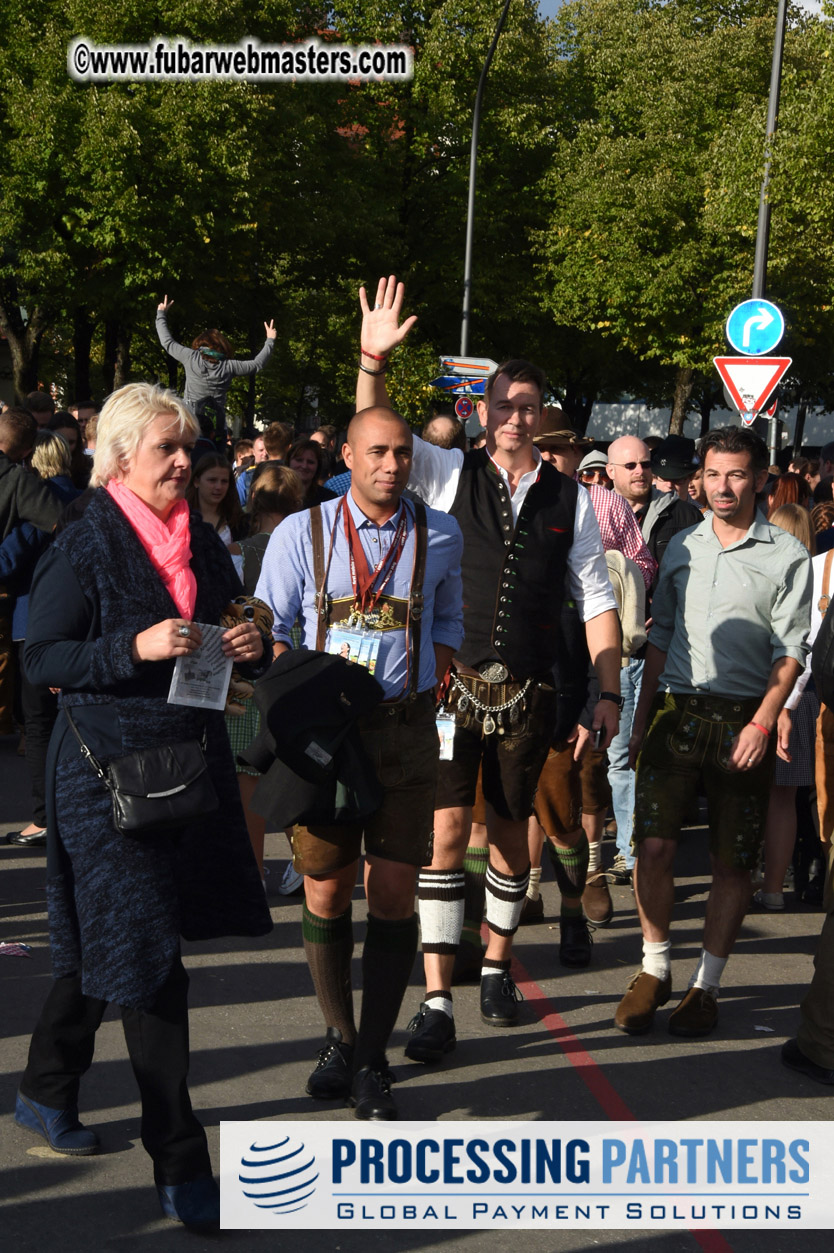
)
(755, 327)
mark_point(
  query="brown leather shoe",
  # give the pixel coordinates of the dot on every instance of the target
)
(696, 1015)
(532, 911)
(597, 905)
(645, 994)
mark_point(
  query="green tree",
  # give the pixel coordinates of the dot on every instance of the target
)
(653, 93)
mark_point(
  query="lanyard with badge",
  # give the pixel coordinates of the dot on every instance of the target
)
(358, 640)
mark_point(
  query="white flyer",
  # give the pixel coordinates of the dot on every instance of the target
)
(202, 677)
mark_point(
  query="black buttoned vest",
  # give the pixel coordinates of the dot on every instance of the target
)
(513, 575)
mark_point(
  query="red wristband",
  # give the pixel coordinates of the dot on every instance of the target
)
(373, 355)
(759, 727)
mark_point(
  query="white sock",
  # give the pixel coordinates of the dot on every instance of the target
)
(504, 898)
(441, 1002)
(533, 886)
(440, 906)
(657, 959)
(594, 851)
(708, 972)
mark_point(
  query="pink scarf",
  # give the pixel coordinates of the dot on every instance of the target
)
(168, 544)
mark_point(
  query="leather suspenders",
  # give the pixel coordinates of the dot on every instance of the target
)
(414, 615)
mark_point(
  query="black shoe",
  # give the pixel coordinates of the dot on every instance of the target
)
(793, 1057)
(371, 1096)
(575, 945)
(620, 872)
(499, 999)
(468, 962)
(36, 840)
(330, 1080)
(432, 1035)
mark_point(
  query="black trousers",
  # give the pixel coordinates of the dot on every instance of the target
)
(61, 1051)
(39, 708)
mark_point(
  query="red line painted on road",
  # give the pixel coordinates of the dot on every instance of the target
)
(593, 1076)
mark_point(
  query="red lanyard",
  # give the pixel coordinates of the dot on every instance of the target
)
(362, 577)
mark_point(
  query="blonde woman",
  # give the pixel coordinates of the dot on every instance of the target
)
(115, 601)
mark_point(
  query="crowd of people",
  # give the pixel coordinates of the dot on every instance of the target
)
(485, 645)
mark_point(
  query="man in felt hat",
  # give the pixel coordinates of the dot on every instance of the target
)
(673, 464)
(558, 442)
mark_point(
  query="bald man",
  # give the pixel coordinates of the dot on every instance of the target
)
(373, 585)
(660, 515)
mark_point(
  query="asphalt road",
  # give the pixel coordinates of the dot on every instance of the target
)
(255, 1031)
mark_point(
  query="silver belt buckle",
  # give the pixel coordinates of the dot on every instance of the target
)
(494, 672)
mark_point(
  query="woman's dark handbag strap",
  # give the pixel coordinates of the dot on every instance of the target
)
(87, 754)
(415, 603)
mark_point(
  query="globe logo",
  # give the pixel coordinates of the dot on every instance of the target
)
(279, 1177)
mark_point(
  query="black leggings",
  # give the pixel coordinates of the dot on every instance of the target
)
(61, 1051)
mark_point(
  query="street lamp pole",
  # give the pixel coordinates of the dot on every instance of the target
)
(763, 226)
(473, 162)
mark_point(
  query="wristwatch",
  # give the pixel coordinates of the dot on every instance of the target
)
(619, 701)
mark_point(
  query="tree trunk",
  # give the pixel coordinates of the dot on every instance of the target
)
(24, 340)
(578, 405)
(684, 382)
(82, 339)
(116, 367)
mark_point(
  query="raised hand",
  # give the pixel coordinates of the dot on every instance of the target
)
(165, 305)
(269, 327)
(381, 329)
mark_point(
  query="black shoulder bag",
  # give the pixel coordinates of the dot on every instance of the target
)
(155, 791)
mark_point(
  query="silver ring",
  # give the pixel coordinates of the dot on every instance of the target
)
(378, 304)
(184, 630)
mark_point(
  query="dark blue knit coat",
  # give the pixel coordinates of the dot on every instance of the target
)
(117, 906)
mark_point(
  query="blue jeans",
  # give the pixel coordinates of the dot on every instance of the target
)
(619, 775)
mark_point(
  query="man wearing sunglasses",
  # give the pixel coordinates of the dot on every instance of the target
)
(661, 515)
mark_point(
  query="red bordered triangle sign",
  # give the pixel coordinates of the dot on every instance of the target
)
(751, 380)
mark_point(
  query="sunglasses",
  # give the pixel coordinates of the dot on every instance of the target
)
(589, 474)
(632, 465)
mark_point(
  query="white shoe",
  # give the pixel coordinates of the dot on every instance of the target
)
(774, 901)
(291, 881)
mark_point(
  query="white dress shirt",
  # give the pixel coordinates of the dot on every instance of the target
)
(435, 475)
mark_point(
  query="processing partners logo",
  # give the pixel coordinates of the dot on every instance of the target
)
(525, 1176)
(279, 1176)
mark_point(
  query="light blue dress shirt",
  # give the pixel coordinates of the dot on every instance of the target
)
(287, 583)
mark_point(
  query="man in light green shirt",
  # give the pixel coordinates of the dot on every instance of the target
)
(731, 616)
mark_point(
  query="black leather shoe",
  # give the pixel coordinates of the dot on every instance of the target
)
(499, 999)
(432, 1035)
(36, 840)
(793, 1057)
(575, 945)
(330, 1081)
(371, 1094)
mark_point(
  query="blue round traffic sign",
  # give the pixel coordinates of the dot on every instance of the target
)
(464, 408)
(755, 327)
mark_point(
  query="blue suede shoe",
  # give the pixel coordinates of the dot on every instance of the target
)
(196, 1203)
(59, 1127)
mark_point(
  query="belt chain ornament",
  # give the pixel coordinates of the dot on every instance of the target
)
(483, 712)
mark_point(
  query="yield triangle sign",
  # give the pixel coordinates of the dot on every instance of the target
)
(750, 380)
